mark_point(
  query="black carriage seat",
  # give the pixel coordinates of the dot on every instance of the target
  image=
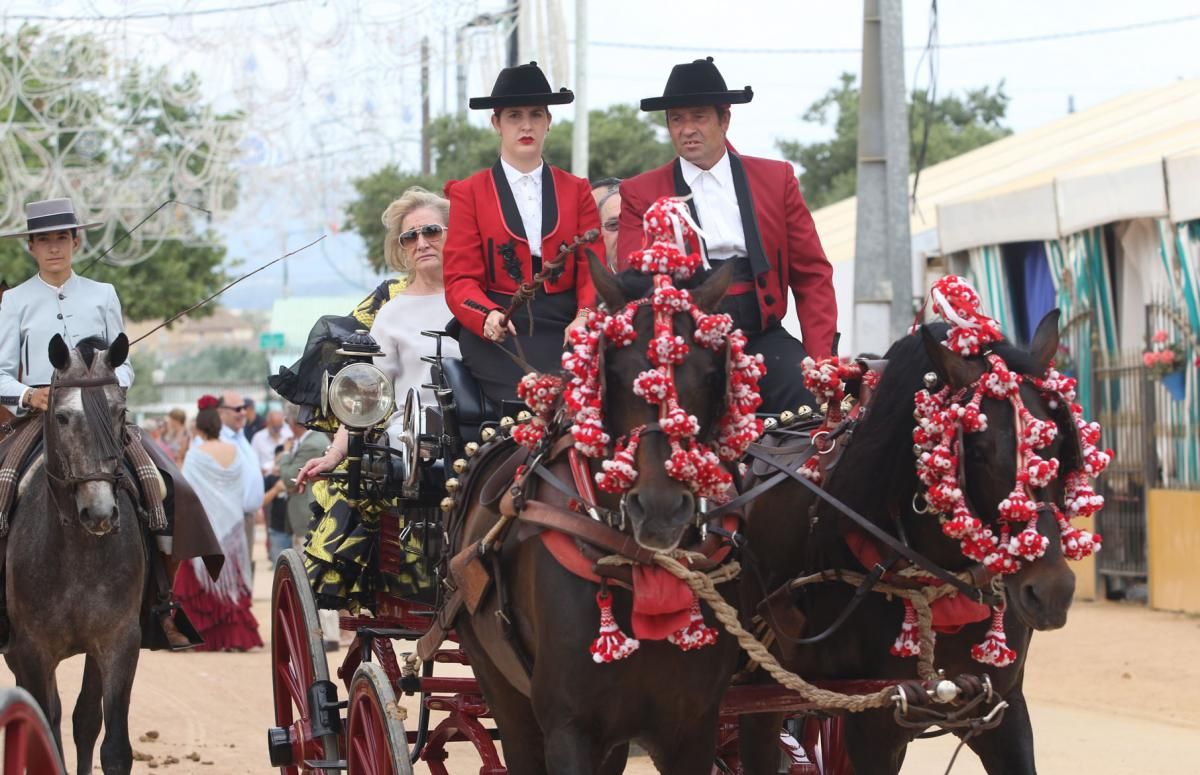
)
(473, 407)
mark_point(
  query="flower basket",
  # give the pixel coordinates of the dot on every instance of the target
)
(1175, 384)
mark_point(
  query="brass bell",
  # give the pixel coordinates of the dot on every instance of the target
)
(805, 411)
(506, 423)
(825, 408)
(487, 434)
(847, 403)
(931, 380)
(471, 448)
(459, 465)
(452, 485)
(787, 417)
(770, 424)
(447, 504)
(523, 415)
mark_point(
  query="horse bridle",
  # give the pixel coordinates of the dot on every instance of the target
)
(61, 471)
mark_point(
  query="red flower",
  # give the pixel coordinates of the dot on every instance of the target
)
(1160, 337)
(207, 402)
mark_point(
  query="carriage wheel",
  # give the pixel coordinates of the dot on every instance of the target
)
(28, 744)
(376, 743)
(297, 660)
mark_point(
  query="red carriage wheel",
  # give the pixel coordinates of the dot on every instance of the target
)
(28, 744)
(297, 662)
(376, 743)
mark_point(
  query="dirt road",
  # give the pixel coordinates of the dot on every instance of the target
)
(1116, 692)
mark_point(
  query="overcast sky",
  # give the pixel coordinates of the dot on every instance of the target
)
(331, 89)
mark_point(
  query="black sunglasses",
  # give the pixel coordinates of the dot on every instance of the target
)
(232, 408)
(430, 231)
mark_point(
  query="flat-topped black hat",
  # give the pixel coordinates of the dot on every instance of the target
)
(696, 84)
(50, 215)
(520, 86)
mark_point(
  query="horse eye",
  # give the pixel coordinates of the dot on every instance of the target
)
(62, 418)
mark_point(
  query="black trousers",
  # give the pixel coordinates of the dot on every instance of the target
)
(783, 386)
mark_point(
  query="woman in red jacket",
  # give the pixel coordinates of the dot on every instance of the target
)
(503, 221)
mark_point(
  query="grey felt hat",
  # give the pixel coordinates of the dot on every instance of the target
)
(50, 215)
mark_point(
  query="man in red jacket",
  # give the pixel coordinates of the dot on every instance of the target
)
(751, 213)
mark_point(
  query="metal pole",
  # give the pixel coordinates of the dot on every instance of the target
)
(514, 43)
(426, 140)
(579, 140)
(460, 72)
(883, 247)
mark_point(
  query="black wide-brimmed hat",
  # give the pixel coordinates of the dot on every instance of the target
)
(696, 84)
(522, 85)
(50, 215)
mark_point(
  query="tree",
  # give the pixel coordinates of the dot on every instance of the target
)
(955, 125)
(622, 143)
(219, 363)
(127, 144)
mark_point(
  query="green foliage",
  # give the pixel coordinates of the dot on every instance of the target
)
(143, 391)
(129, 131)
(956, 125)
(219, 363)
(622, 143)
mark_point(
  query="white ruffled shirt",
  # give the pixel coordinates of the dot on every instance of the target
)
(527, 190)
(717, 206)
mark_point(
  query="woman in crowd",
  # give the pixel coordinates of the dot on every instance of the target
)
(607, 193)
(505, 221)
(416, 236)
(220, 610)
(175, 436)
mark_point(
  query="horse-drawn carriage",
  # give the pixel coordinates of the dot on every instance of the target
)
(513, 517)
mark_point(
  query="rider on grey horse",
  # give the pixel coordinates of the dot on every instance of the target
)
(58, 301)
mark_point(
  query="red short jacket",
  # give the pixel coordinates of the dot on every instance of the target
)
(785, 252)
(487, 250)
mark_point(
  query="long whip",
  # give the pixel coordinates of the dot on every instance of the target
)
(526, 290)
(197, 306)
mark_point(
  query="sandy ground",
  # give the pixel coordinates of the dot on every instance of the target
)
(1116, 691)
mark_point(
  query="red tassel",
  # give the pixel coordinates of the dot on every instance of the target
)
(695, 634)
(907, 643)
(612, 643)
(994, 649)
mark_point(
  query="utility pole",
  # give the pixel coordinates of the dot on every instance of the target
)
(579, 140)
(460, 71)
(426, 146)
(514, 42)
(882, 247)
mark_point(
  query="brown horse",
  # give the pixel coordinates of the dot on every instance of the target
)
(876, 477)
(566, 714)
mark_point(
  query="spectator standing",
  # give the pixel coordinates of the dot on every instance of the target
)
(254, 422)
(268, 441)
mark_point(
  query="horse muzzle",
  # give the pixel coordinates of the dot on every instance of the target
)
(97, 506)
(659, 516)
(1042, 596)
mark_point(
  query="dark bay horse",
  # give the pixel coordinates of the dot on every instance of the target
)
(876, 477)
(76, 567)
(570, 715)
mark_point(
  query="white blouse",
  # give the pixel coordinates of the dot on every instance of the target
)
(397, 331)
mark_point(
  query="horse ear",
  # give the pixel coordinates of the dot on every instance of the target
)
(1045, 341)
(951, 368)
(605, 283)
(118, 351)
(714, 288)
(60, 354)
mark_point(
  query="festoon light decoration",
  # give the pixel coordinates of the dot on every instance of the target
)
(672, 253)
(943, 416)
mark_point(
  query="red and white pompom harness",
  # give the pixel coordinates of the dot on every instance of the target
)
(672, 252)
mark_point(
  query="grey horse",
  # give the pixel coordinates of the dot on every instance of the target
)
(77, 558)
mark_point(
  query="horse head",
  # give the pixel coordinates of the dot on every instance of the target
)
(1012, 471)
(85, 430)
(642, 389)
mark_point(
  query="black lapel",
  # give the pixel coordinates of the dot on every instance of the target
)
(549, 203)
(754, 244)
(508, 203)
(683, 189)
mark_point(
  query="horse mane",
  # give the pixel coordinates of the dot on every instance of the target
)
(883, 443)
(88, 346)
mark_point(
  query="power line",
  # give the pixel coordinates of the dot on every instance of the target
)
(152, 14)
(964, 44)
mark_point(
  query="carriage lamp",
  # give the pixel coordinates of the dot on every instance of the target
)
(360, 395)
